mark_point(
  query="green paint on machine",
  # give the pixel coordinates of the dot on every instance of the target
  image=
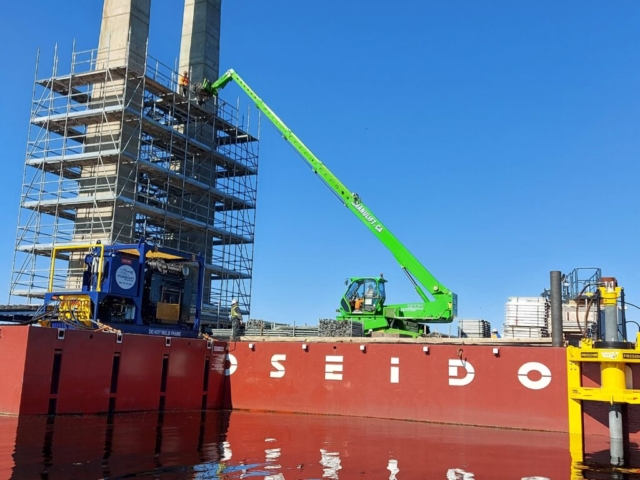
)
(364, 299)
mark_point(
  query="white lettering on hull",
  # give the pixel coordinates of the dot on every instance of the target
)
(165, 333)
(275, 362)
(395, 371)
(543, 382)
(392, 466)
(233, 364)
(459, 474)
(227, 453)
(333, 367)
(334, 370)
(454, 364)
(272, 454)
(330, 462)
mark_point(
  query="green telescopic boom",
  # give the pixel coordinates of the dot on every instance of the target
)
(417, 273)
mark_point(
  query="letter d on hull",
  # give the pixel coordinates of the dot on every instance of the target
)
(454, 364)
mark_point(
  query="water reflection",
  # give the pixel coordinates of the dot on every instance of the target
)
(234, 445)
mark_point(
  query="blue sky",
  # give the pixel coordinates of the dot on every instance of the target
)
(497, 140)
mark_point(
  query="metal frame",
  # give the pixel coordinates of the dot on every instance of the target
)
(116, 154)
(85, 247)
(613, 389)
(582, 280)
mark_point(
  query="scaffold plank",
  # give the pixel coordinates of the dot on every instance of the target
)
(175, 220)
(90, 77)
(62, 86)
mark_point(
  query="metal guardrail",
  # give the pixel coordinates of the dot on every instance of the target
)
(325, 329)
(256, 332)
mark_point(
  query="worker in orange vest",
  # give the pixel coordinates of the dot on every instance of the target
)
(183, 82)
(358, 304)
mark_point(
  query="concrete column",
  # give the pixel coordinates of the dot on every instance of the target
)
(123, 41)
(200, 44)
(119, 17)
(200, 56)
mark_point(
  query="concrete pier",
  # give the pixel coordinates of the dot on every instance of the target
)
(200, 44)
(119, 18)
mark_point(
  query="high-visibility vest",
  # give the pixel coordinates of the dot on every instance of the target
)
(183, 80)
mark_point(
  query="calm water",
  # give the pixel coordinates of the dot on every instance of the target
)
(234, 445)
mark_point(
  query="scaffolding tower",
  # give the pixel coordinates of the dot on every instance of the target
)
(117, 152)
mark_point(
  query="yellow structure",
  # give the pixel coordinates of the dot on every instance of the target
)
(610, 295)
(87, 247)
(613, 388)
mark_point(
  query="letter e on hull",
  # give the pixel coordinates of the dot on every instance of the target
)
(333, 367)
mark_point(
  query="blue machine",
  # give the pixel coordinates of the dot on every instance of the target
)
(137, 288)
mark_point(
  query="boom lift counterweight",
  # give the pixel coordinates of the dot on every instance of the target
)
(364, 299)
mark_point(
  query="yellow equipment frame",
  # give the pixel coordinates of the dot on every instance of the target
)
(67, 248)
(613, 388)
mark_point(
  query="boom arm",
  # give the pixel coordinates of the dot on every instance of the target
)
(443, 304)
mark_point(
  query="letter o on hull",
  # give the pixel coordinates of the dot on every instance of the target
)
(233, 364)
(543, 382)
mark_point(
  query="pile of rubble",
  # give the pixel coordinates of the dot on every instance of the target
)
(342, 328)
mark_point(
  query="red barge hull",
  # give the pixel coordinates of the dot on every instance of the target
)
(50, 371)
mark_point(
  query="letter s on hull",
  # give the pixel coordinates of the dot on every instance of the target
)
(275, 361)
(454, 364)
(544, 381)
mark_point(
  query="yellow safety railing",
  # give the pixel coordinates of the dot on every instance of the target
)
(68, 248)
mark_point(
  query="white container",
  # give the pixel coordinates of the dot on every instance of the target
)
(526, 317)
(474, 328)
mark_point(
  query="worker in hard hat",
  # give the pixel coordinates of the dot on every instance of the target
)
(183, 82)
(236, 318)
(494, 333)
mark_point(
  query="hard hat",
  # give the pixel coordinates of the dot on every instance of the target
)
(234, 301)
(495, 330)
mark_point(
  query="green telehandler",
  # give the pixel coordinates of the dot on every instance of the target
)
(365, 298)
